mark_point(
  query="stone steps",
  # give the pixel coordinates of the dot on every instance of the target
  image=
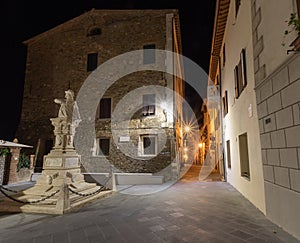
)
(90, 199)
(50, 206)
(83, 188)
(75, 198)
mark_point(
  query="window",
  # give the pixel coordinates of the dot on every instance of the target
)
(149, 145)
(105, 108)
(148, 105)
(225, 103)
(240, 74)
(298, 7)
(94, 31)
(244, 156)
(228, 154)
(149, 54)
(104, 146)
(237, 7)
(92, 61)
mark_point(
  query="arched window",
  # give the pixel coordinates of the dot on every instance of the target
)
(94, 31)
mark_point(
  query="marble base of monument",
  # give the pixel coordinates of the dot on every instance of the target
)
(54, 190)
(61, 187)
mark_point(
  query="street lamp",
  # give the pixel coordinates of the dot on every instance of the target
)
(187, 129)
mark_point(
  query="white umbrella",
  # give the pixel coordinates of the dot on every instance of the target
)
(7, 144)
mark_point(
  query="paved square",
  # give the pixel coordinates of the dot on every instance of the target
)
(188, 211)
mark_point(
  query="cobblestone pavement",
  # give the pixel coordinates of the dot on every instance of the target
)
(188, 211)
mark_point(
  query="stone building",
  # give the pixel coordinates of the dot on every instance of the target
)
(260, 82)
(65, 56)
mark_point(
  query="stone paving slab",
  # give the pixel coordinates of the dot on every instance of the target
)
(184, 212)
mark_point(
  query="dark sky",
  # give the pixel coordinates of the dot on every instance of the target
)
(21, 20)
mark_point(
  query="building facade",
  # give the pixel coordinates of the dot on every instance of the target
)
(256, 64)
(66, 55)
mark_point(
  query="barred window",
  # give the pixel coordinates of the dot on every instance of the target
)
(149, 145)
(148, 105)
(149, 54)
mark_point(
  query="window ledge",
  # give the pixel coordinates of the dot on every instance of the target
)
(246, 177)
(103, 119)
(147, 156)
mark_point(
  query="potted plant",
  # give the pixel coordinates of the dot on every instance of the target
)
(294, 23)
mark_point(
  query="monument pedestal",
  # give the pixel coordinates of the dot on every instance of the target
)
(61, 187)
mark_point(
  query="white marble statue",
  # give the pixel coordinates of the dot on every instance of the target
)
(68, 107)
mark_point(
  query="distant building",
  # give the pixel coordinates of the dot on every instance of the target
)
(259, 80)
(66, 55)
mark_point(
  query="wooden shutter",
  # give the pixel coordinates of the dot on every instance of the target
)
(236, 82)
(244, 68)
(240, 77)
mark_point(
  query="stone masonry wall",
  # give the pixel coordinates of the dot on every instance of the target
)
(122, 160)
(278, 107)
(57, 60)
(279, 121)
(258, 44)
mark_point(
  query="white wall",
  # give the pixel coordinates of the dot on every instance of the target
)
(238, 35)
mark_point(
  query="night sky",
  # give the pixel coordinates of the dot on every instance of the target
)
(21, 20)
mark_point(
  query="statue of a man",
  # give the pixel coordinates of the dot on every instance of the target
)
(68, 107)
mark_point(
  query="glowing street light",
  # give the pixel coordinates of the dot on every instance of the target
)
(200, 145)
(187, 129)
